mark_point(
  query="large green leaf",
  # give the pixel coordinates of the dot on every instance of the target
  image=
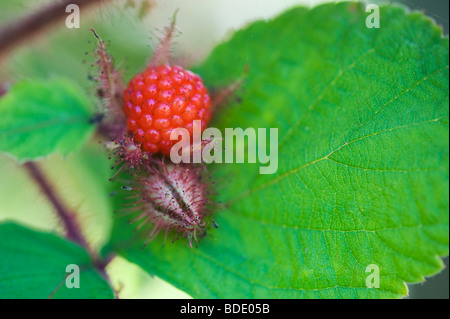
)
(39, 118)
(33, 265)
(363, 161)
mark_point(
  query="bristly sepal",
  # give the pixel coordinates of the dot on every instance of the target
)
(171, 198)
(128, 155)
(110, 90)
(162, 54)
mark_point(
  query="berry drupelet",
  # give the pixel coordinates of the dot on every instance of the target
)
(161, 99)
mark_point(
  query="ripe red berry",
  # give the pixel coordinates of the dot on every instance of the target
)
(161, 99)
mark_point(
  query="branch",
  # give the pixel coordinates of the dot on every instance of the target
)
(73, 231)
(14, 33)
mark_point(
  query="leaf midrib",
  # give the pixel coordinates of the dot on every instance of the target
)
(284, 175)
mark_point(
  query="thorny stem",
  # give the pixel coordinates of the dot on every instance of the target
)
(11, 36)
(73, 231)
(3, 89)
(19, 30)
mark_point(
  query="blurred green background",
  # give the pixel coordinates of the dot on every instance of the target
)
(132, 28)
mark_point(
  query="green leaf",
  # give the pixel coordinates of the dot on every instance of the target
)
(34, 266)
(363, 161)
(39, 118)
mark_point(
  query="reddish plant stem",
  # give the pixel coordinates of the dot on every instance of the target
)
(100, 265)
(73, 231)
(19, 30)
(3, 89)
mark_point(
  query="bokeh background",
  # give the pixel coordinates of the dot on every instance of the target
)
(132, 28)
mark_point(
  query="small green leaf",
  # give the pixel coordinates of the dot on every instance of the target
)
(33, 265)
(39, 118)
(363, 161)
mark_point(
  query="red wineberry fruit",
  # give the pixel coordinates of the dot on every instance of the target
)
(161, 99)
